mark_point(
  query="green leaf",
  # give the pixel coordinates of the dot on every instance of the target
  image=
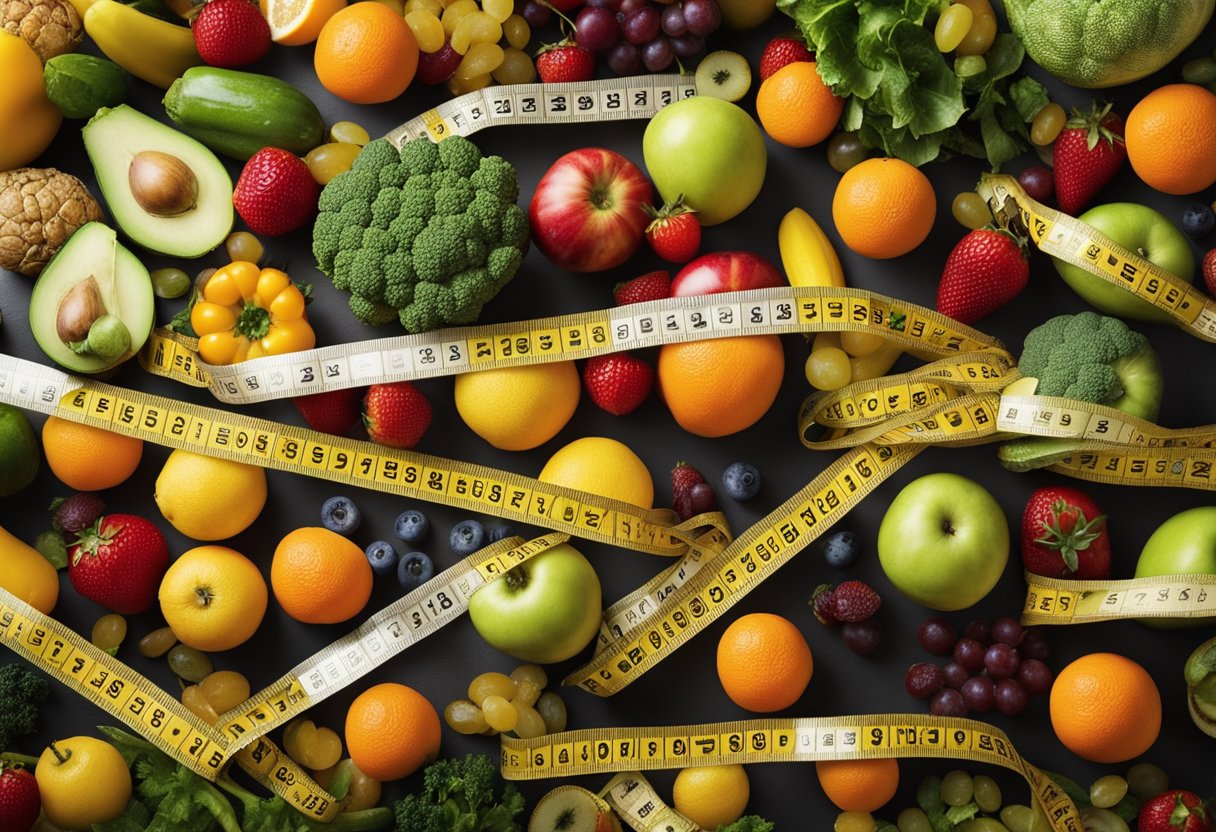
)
(831, 27)
(1029, 96)
(1004, 57)
(958, 814)
(133, 819)
(922, 91)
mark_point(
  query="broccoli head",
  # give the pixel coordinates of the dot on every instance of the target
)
(426, 235)
(21, 692)
(461, 793)
(749, 823)
(1090, 358)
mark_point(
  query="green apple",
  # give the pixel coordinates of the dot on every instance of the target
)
(944, 541)
(1144, 231)
(1185, 544)
(709, 150)
(545, 610)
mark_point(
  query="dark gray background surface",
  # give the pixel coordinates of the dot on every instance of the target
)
(684, 688)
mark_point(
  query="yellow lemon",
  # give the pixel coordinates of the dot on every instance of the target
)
(213, 598)
(82, 781)
(601, 466)
(711, 796)
(208, 498)
(517, 408)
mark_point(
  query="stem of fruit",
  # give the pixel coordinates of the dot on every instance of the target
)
(204, 596)
(253, 322)
(19, 759)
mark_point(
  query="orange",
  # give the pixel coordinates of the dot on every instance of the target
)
(1105, 708)
(858, 785)
(884, 208)
(366, 54)
(1171, 138)
(319, 576)
(795, 107)
(723, 385)
(391, 731)
(764, 663)
(213, 598)
(87, 458)
(298, 22)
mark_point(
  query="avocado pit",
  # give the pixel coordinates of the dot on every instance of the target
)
(80, 307)
(162, 184)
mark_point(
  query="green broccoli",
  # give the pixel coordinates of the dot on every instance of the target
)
(1091, 358)
(426, 235)
(459, 794)
(749, 823)
(21, 692)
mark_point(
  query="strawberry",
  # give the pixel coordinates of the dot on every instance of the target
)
(618, 383)
(1088, 153)
(674, 232)
(823, 604)
(854, 601)
(1209, 271)
(1064, 535)
(118, 562)
(396, 414)
(780, 51)
(275, 193)
(650, 286)
(334, 411)
(231, 33)
(691, 494)
(684, 477)
(561, 63)
(76, 513)
(20, 803)
(1175, 810)
(986, 270)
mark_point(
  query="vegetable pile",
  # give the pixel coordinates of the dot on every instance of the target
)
(461, 795)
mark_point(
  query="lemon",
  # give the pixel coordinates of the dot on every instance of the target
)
(208, 498)
(601, 466)
(711, 796)
(82, 781)
(213, 598)
(517, 408)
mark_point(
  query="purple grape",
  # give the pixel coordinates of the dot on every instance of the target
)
(1035, 677)
(628, 7)
(970, 654)
(658, 54)
(596, 28)
(688, 45)
(1007, 631)
(1001, 661)
(1037, 182)
(948, 702)
(937, 636)
(1034, 645)
(641, 26)
(980, 629)
(923, 680)
(978, 693)
(625, 59)
(1010, 697)
(701, 498)
(702, 16)
(610, 5)
(956, 675)
(862, 637)
(537, 14)
(674, 24)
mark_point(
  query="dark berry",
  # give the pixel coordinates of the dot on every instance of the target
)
(76, 513)
(467, 537)
(855, 601)
(1035, 677)
(1001, 661)
(923, 680)
(862, 637)
(947, 702)
(978, 694)
(956, 675)
(701, 498)
(824, 605)
(979, 629)
(382, 556)
(741, 481)
(499, 532)
(1038, 183)
(412, 526)
(841, 549)
(970, 654)
(341, 515)
(937, 636)
(1010, 697)
(1034, 645)
(414, 570)
(1198, 221)
(1007, 630)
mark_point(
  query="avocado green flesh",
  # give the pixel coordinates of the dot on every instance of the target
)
(124, 283)
(113, 138)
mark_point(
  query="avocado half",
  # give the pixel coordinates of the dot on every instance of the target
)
(193, 217)
(121, 282)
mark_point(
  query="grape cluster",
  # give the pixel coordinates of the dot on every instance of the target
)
(470, 45)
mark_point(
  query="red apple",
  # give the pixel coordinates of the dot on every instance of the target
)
(586, 214)
(725, 271)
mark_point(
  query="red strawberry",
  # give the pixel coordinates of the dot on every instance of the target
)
(1209, 271)
(396, 414)
(1175, 810)
(618, 383)
(275, 193)
(437, 67)
(691, 494)
(20, 803)
(823, 604)
(561, 63)
(231, 33)
(650, 286)
(854, 601)
(985, 271)
(1088, 153)
(334, 411)
(118, 562)
(674, 232)
(684, 477)
(1064, 535)
(780, 51)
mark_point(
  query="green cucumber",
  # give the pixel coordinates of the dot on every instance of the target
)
(238, 113)
(80, 85)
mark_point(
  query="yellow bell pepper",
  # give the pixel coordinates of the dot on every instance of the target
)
(245, 312)
(28, 119)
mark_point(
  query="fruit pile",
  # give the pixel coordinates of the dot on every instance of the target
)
(498, 703)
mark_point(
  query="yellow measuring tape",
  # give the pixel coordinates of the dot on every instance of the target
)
(875, 736)
(1056, 601)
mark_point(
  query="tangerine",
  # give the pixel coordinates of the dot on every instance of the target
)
(858, 785)
(391, 731)
(366, 54)
(795, 107)
(884, 208)
(1105, 708)
(319, 576)
(764, 662)
(87, 458)
(723, 385)
(1171, 138)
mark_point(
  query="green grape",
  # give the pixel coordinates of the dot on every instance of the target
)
(1107, 791)
(533, 673)
(499, 10)
(170, 283)
(1047, 124)
(225, 689)
(526, 694)
(1102, 820)
(516, 68)
(971, 211)
(517, 31)
(529, 724)
(981, 825)
(828, 368)
(427, 29)
(1018, 818)
(491, 684)
(348, 131)
(913, 820)
(242, 245)
(481, 59)
(854, 822)
(190, 664)
(328, 160)
(157, 643)
(859, 344)
(952, 27)
(1199, 71)
(500, 714)
(1147, 780)
(108, 633)
(845, 150)
(463, 717)
(196, 702)
(969, 66)
(553, 710)
(979, 37)
(987, 793)
(957, 788)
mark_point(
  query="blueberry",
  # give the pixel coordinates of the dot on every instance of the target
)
(1198, 222)
(382, 556)
(341, 515)
(414, 570)
(499, 532)
(741, 481)
(412, 526)
(841, 549)
(467, 537)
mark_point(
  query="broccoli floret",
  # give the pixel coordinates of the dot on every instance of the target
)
(21, 692)
(749, 823)
(1090, 358)
(371, 312)
(461, 794)
(376, 155)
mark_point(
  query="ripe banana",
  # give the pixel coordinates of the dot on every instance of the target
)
(807, 253)
(149, 48)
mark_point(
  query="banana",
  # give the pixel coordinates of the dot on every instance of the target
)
(807, 253)
(149, 48)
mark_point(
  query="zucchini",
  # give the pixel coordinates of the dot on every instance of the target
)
(238, 113)
(80, 85)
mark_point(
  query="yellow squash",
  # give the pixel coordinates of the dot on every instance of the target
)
(244, 312)
(806, 252)
(28, 120)
(27, 574)
(149, 48)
